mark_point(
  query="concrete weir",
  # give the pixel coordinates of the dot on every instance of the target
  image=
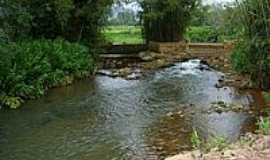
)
(194, 49)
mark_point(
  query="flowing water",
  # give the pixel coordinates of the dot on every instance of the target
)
(112, 119)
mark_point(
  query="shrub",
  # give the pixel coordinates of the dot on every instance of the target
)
(240, 59)
(253, 57)
(27, 69)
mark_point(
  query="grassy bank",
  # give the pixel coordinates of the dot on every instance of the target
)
(29, 68)
(123, 34)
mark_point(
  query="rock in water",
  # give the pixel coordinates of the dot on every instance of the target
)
(147, 56)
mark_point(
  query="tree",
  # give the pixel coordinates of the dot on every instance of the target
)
(200, 14)
(73, 20)
(252, 55)
(166, 20)
(122, 16)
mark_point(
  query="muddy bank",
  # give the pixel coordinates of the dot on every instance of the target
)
(250, 147)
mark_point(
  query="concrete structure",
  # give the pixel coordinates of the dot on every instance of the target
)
(194, 49)
(198, 50)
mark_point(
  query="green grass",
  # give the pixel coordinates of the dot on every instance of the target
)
(217, 142)
(123, 34)
(201, 34)
(195, 140)
(264, 123)
(133, 34)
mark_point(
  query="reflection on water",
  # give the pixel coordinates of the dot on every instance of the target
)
(105, 118)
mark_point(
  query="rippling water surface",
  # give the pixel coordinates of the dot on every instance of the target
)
(106, 118)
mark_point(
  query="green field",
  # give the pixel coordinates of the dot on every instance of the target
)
(123, 34)
(133, 34)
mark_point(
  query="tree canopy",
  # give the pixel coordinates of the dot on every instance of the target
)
(81, 20)
(74, 20)
(166, 20)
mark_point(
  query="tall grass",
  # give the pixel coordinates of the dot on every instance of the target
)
(252, 55)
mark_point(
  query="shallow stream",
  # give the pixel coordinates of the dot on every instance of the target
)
(112, 119)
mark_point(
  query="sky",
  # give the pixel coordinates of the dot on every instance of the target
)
(136, 7)
(216, 1)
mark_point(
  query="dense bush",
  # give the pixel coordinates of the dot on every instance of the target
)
(27, 69)
(252, 56)
(72, 20)
(202, 34)
(222, 17)
(29, 65)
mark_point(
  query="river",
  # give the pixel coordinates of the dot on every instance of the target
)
(107, 118)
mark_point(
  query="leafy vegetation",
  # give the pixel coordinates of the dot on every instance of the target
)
(264, 123)
(218, 143)
(41, 45)
(222, 19)
(73, 20)
(195, 140)
(28, 69)
(202, 34)
(252, 56)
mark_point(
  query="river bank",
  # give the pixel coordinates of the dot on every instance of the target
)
(256, 146)
(114, 118)
(155, 61)
(249, 147)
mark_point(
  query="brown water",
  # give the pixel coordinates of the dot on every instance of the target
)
(113, 119)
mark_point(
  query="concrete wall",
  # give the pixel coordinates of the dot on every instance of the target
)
(125, 49)
(167, 47)
(194, 49)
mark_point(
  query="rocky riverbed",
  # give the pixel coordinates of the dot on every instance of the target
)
(148, 61)
(256, 146)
